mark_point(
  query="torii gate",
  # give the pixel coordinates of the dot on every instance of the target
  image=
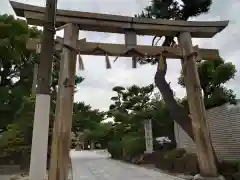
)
(72, 22)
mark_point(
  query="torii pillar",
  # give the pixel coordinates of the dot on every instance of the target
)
(206, 159)
(63, 123)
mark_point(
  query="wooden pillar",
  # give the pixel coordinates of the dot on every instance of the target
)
(63, 124)
(39, 148)
(148, 136)
(197, 109)
(56, 129)
(35, 71)
(131, 42)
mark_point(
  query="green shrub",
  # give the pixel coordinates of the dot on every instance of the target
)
(229, 166)
(115, 148)
(190, 161)
(133, 146)
(175, 153)
(236, 176)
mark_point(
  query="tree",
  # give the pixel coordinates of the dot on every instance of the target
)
(162, 123)
(16, 74)
(135, 104)
(16, 66)
(14, 143)
(129, 108)
(84, 117)
(101, 133)
(213, 75)
(178, 10)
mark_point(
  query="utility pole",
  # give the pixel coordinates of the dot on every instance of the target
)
(42, 106)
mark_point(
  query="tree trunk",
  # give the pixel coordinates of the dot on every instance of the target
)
(177, 111)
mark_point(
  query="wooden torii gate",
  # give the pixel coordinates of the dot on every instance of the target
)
(72, 22)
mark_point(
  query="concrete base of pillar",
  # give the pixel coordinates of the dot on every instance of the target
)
(199, 177)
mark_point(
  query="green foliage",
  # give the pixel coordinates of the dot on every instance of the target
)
(213, 76)
(16, 74)
(133, 145)
(172, 9)
(15, 66)
(129, 146)
(90, 122)
(101, 133)
(162, 123)
(16, 139)
(195, 8)
(115, 148)
(132, 105)
(175, 153)
(85, 118)
(232, 166)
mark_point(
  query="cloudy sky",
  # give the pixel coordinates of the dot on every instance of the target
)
(96, 89)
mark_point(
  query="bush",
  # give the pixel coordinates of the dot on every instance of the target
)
(15, 142)
(229, 166)
(115, 148)
(175, 153)
(230, 169)
(132, 146)
(191, 163)
(236, 176)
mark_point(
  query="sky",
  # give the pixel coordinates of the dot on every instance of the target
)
(96, 89)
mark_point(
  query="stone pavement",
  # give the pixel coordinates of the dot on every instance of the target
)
(5, 177)
(96, 165)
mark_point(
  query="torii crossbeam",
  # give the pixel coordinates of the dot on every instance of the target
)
(88, 48)
(119, 24)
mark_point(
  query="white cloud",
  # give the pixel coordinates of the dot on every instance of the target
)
(97, 87)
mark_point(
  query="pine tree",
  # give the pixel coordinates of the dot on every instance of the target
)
(183, 10)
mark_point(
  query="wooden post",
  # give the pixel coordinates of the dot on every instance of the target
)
(131, 42)
(148, 136)
(56, 129)
(42, 107)
(35, 72)
(34, 83)
(197, 109)
(63, 122)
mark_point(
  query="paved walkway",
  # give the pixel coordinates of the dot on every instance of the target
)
(96, 165)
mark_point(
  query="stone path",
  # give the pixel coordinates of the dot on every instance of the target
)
(96, 165)
(5, 177)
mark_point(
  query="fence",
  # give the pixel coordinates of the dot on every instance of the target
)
(224, 125)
